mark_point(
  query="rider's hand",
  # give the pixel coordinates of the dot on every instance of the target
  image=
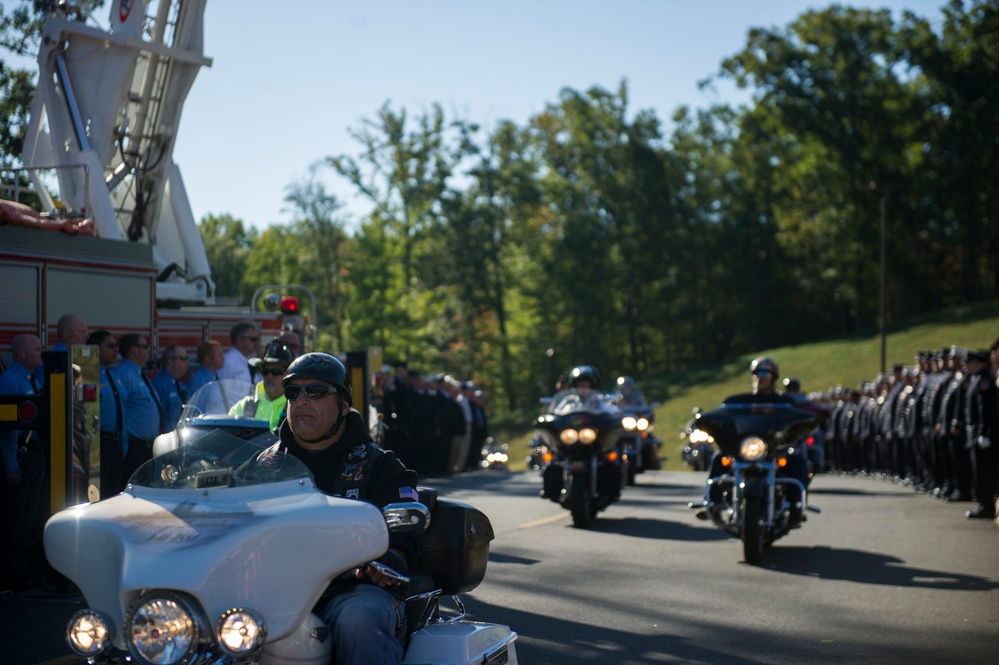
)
(984, 442)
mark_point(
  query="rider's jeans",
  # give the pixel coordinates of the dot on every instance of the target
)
(367, 624)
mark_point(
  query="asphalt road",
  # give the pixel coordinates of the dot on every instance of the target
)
(884, 575)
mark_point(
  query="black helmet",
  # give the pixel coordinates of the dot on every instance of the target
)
(623, 381)
(585, 373)
(792, 385)
(276, 353)
(322, 367)
(764, 364)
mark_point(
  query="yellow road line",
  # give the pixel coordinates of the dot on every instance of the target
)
(544, 520)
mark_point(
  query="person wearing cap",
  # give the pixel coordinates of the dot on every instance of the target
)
(951, 427)
(267, 401)
(365, 615)
(981, 405)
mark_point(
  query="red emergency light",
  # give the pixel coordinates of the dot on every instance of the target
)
(27, 412)
(290, 305)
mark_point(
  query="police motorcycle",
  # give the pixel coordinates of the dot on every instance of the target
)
(218, 550)
(639, 445)
(583, 469)
(207, 410)
(751, 493)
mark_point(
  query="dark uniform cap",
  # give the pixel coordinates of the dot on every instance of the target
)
(276, 353)
(322, 367)
(978, 356)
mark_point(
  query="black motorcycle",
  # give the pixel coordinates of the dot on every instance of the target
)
(752, 491)
(583, 470)
(639, 444)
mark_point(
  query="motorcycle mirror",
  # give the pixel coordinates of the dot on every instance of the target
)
(409, 517)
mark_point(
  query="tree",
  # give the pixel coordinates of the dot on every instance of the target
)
(228, 245)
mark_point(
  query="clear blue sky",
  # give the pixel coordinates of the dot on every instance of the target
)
(289, 79)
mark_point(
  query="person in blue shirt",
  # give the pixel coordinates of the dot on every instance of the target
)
(143, 416)
(169, 385)
(71, 329)
(210, 359)
(114, 434)
(23, 456)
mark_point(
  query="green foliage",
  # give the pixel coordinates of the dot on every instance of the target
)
(228, 248)
(510, 254)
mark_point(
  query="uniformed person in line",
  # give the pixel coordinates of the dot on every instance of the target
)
(981, 405)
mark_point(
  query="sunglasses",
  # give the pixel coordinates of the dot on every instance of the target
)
(312, 391)
(274, 371)
(252, 339)
(142, 346)
(184, 358)
(764, 373)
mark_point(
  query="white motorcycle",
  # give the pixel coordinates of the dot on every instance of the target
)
(218, 550)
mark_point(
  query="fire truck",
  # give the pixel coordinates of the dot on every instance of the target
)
(99, 146)
(98, 161)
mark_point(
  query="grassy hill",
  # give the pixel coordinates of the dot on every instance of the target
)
(841, 361)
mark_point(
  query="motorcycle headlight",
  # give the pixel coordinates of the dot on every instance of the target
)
(629, 422)
(587, 435)
(753, 448)
(163, 628)
(87, 633)
(569, 436)
(700, 436)
(642, 424)
(240, 632)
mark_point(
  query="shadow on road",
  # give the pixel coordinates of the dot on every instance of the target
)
(653, 528)
(868, 568)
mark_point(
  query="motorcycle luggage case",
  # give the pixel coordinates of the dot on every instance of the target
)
(456, 546)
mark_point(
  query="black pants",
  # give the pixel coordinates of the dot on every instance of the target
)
(139, 452)
(112, 465)
(985, 462)
(22, 509)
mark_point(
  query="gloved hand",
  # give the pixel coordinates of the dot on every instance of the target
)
(984, 442)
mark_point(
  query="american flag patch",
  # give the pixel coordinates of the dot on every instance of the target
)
(408, 493)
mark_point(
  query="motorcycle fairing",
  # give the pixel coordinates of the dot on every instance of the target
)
(222, 546)
(772, 417)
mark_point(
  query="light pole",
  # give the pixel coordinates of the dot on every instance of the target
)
(885, 189)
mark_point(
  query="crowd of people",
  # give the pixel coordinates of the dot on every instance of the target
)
(435, 423)
(931, 425)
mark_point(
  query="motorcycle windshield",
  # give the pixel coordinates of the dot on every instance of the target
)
(772, 417)
(214, 399)
(633, 398)
(590, 401)
(218, 460)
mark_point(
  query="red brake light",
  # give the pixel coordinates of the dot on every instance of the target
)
(290, 305)
(810, 440)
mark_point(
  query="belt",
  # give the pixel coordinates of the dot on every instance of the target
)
(137, 440)
(111, 436)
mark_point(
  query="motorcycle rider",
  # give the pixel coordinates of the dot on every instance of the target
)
(764, 377)
(628, 394)
(583, 383)
(366, 618)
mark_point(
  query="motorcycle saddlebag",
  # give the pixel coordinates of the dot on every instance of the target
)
(456, 546)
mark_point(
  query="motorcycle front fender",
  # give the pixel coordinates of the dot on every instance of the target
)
(753, 488)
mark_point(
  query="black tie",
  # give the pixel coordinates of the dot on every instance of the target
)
(180, 391)
(117, 401)
(156, 400)
(31, 378)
